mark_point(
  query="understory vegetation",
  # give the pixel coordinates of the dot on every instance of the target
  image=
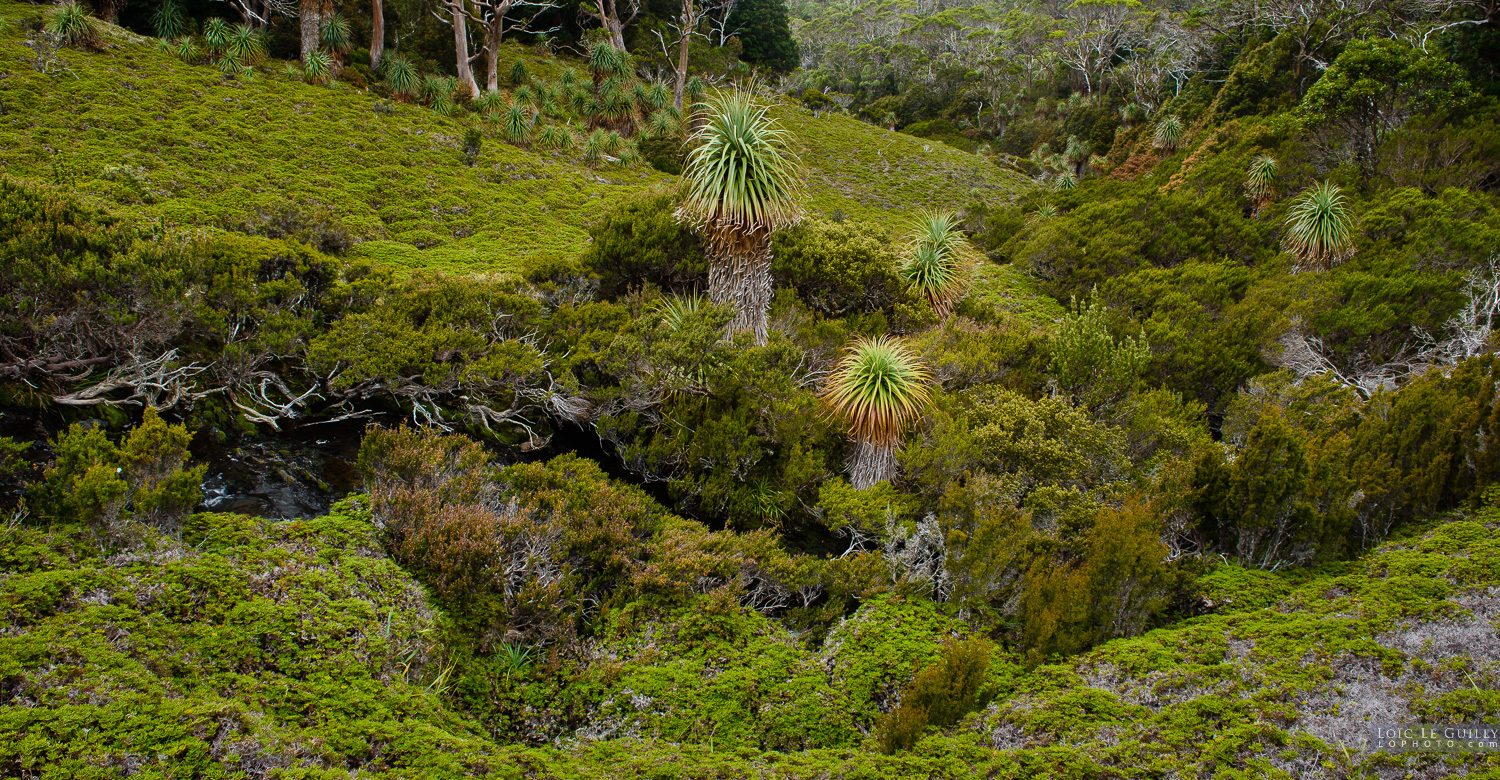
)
(1101, 391)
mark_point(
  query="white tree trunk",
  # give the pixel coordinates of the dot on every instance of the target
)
(871, 463)
(466, 85)
(739, 274)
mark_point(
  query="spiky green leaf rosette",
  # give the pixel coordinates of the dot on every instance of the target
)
(742, 182)
(935, 266)
(1320, 227)
(878, 388)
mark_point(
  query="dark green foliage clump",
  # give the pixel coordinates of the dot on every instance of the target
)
(642, 242)
(939, 695)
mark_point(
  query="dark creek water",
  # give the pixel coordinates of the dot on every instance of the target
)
(298, 472)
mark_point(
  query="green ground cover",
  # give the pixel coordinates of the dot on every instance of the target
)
(299, 649)
(138, 131)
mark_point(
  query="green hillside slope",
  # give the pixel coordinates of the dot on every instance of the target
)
(252, 646)
(138, 131)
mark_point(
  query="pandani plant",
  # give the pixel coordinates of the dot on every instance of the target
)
(401, 77)
(936, 265)
(1169, 134)
(72, 25)
(1260, 182)
(877, 389)
(1319, 228)
(741, 183)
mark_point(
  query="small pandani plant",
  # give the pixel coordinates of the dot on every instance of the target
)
(169, 21)
(317, 67)
(1319, 228)
(936, 265)
(1260, 183)
(555, 137)
(878, 388)
(1169, 134)
(401, 77)
(72, 25)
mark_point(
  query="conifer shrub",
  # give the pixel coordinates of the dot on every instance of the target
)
(473, 143)
(110, 488)
(664, 151)
(839, 269)
(939, 695)
(641, 242)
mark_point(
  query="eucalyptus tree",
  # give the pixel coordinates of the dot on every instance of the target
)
(498, 17)
(1313, 27)
(377, 33)
(613, 15)
(877, 389)
(458, 16)
(742, 182)
(309, 13)
(1319, 227)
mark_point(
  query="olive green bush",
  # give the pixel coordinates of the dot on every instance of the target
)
(115, 488)
(642, 242)
(939, 695)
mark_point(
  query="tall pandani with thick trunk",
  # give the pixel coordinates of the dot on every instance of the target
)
(742, 182)
(938, 265)
(878, 388)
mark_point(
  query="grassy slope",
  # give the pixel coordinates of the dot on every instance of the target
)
(141, 133)
(299, 645)
(871, 173)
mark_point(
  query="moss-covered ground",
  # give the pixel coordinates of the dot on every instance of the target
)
(138, 131)
(253, 648)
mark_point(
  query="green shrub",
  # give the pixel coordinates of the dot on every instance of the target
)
(473, 143)
(642, 242)
(939, 695)
(1122, 586)
(839, 269)
(666, 152)
(108, 488)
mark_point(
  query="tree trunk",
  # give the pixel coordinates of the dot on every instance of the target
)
(377, 35)
(739, 274)
(871, 463)
(309, 18)
(494, 31)
(682, 53)
(109, 10)
(466, 85)
(610, 18)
